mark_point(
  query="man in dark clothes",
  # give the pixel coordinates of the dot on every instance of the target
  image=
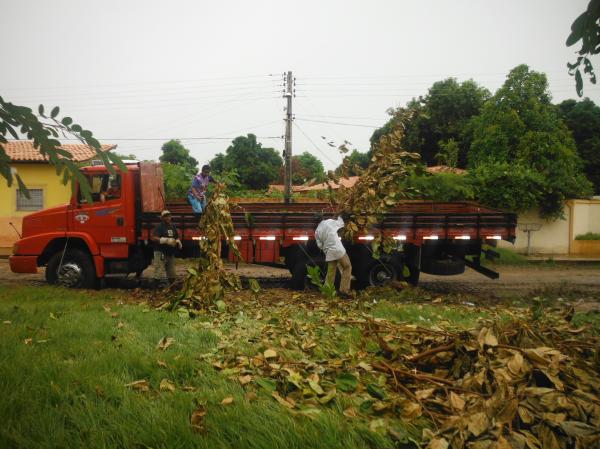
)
(166, 242)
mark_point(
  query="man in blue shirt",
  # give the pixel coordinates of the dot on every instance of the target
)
(197, 192)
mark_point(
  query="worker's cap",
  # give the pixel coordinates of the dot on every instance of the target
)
(165, 213)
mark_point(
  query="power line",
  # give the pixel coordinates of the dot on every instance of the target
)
(163, 139)
(314, 144)
(341, 123)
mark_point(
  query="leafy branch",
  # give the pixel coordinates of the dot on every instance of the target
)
(45, 130)
(585, 29)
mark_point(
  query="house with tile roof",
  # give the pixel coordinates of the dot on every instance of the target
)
(45, 188)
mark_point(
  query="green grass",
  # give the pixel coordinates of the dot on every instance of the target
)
(66, 386)
(588, 236)
(507, 257)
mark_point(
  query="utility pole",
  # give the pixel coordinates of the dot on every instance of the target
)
(287, 178)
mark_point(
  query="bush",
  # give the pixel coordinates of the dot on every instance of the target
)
(442, 187)
(588, 236)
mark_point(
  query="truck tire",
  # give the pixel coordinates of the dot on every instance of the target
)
(413, 276)
(299, 275)
(379, 273)
(77, 270)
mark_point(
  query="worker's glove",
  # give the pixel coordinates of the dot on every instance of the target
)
(178, 243)
(164, 240)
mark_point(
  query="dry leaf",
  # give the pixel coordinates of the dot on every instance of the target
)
(478, 423)
(161, 364)
(438, 443)
(139, 385)
(164, 343)
(245, 379)
(456, 402)
(197, 418)
(251, 396)
(270, 354)
(227, 401)
(166, 385)
(28, 341)
(281, 400)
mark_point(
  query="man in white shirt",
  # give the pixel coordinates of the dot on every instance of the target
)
(336, 257)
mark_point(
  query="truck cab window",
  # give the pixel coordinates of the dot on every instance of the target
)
(103, 187)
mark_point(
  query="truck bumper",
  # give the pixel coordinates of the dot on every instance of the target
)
(23, 264)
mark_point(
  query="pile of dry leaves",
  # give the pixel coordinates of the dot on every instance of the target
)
(515, 384)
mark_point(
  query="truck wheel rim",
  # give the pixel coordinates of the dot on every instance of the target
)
(381, 275)
(70, 275)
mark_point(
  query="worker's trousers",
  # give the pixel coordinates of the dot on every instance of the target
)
(163, 266)
(345, 268)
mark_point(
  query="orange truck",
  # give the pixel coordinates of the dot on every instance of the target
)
(82, 243)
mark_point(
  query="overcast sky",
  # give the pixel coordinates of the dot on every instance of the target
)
(193, 70)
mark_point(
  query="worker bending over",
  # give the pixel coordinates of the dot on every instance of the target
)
(336, 257)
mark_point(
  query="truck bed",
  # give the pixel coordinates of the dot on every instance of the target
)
(409, 221)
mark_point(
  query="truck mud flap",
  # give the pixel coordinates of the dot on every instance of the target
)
(481, 269)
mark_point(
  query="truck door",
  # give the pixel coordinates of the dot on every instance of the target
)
(104, 219)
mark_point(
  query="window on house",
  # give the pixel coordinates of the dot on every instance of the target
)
(34, 202)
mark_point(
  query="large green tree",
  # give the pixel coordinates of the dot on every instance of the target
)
(435, 124)
(44, 130)
(255, 166)
(583, 119)
(305, 167)
(173, 152)
(520, 128)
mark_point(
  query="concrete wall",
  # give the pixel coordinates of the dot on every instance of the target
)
(36, 176)
(551, 239)
(557, 237)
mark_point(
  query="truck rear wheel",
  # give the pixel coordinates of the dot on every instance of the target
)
(76, 271)
(379, 273)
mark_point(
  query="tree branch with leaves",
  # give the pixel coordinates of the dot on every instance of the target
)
(45, 130)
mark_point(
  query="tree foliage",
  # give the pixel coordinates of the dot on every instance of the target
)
(356, 162)
(586, 29)
(256, 166)
(305, 167)
(177, 180)
(45, 131)
(173, 152)
(520, 127)
(439, 119)
(583, 119)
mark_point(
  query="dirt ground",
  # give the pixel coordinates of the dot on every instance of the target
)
(584, 278)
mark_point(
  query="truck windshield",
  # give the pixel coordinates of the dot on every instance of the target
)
(104, 187)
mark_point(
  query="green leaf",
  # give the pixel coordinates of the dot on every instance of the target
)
(76, 128)
(376, 391)
(268, 384)
(41, 110)
(67, 121)
(54, 112)
(578, 83)
(346, 382)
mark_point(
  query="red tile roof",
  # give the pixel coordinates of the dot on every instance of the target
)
(23, 151)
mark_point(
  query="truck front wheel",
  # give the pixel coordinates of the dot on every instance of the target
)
(76, 271)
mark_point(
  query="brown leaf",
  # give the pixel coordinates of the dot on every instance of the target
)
(281, 400)
(161, 364)
(270, 354)
(164, 343)
(487, 337)
(197, 418)
(245, 379)
(166, 385)
(515, 364)
(227, 401)
(438, 443)
(478, 423)
(28, 341)
(350, 412)
(139, 385)
(456, 402)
